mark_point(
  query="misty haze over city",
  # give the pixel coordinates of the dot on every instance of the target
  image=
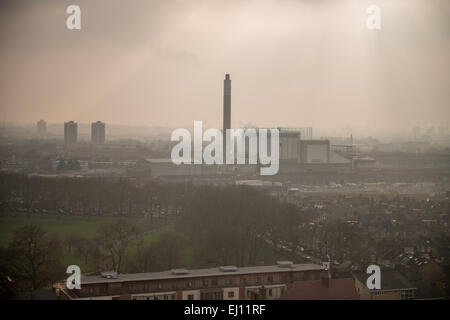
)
(242, 150)
(294, 63)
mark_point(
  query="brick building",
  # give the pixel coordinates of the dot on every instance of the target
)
(222, 283)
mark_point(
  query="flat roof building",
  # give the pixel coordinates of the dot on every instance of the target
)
(220, 283)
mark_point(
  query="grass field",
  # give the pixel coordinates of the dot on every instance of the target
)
(62, 226)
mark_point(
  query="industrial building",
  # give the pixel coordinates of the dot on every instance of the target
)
(298, 152)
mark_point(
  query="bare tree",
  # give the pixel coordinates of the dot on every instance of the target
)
(115, 239)
(34, 258)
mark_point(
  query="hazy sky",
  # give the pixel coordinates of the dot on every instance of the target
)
(292, 62)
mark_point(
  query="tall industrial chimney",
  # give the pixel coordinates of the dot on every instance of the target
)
(226, 112)
(226, 103)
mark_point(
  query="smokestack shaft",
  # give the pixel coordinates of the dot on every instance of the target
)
(226, 103)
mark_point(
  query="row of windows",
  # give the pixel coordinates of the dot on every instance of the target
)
(207, 283)
(407, 294)
(270, 292)
(189, 284)
(217, 295)
(164, 297)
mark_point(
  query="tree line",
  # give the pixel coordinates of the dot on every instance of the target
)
(34, 259)
(218, 225)
(89, 196)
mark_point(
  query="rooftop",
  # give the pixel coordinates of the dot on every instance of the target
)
(390, 280)
(339, 289)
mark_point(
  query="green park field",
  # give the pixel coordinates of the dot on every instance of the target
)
(60, 226)
(63, 226)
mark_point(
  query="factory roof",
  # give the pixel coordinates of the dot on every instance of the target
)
(336, 158)
(159, 160)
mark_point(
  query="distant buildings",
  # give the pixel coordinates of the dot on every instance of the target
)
(41, 129)
(70, 133)
(98, 132)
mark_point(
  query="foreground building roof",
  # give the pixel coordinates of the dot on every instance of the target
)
(337, 289)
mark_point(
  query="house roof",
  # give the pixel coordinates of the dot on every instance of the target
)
(390, 280)
(339, 289)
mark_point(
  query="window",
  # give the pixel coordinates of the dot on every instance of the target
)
(214, 282)
(145, 287)
(189, 284)
(229, 282)
(130, 288)
(191, 297)
(102, 290)
(90, 290)
(407, 294)
(243, 281)
(159, 285)
(166, 297)
(258, 279)
(214, 295)
(270, 278)
(283, 278)
(205, 283)
(230, 294)
(270, 292)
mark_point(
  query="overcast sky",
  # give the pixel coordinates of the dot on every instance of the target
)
(292, 63)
